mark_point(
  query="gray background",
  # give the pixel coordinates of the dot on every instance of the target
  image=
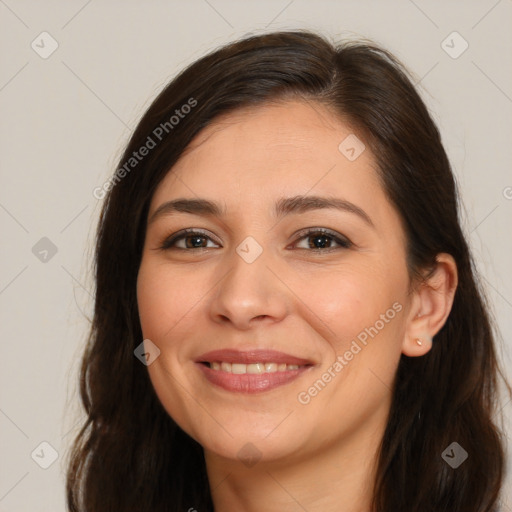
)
(65, 118)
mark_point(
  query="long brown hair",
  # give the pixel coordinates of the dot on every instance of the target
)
(129, 454)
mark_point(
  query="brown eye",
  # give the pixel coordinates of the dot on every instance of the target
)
(192, 239)
(320, 239)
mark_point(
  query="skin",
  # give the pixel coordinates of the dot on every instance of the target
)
(292, 298)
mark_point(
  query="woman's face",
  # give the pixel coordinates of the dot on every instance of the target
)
(259, 276)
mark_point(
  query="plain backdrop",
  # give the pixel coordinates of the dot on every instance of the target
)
(65, 117)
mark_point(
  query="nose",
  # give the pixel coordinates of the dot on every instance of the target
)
(249, 293)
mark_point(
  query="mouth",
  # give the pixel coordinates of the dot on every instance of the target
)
(253, 368)
(251, 371)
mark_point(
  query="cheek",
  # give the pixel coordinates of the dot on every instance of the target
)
(164, 299)
(350, 301)
(364, 310)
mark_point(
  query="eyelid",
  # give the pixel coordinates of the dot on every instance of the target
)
(169, 240)
(340, 239)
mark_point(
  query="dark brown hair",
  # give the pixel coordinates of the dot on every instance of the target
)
(129, 454)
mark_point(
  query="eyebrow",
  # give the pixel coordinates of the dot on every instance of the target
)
(284, 206)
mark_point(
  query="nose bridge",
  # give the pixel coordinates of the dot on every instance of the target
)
(249, 288)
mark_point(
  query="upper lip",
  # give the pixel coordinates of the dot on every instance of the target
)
(251, 356)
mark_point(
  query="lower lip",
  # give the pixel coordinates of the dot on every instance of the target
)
(250, 382)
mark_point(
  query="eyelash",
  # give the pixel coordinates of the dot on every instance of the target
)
(344, 242)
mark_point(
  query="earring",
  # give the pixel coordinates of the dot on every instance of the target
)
(418, 341)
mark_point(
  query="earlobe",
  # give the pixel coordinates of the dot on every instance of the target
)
(432, 304)
(417, 346)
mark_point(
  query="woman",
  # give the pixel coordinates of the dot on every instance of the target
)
(287, 316)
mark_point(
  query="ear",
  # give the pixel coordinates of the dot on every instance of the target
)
(431, 305)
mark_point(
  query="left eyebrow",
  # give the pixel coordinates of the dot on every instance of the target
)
(284, 206)
(302, 204)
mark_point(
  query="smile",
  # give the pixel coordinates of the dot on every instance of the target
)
(252, 371)
(246, 382)
(253, 368)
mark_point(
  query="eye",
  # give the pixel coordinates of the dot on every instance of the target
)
(188, 238)
(321, 239)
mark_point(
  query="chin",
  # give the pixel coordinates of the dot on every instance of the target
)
(250, 451)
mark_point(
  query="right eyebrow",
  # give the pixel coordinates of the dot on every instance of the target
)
(193, 206)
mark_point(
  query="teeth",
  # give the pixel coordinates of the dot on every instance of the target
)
(238, 368)
(270, 367)
(254, 368)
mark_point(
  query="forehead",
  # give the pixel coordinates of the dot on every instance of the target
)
(286, 148)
